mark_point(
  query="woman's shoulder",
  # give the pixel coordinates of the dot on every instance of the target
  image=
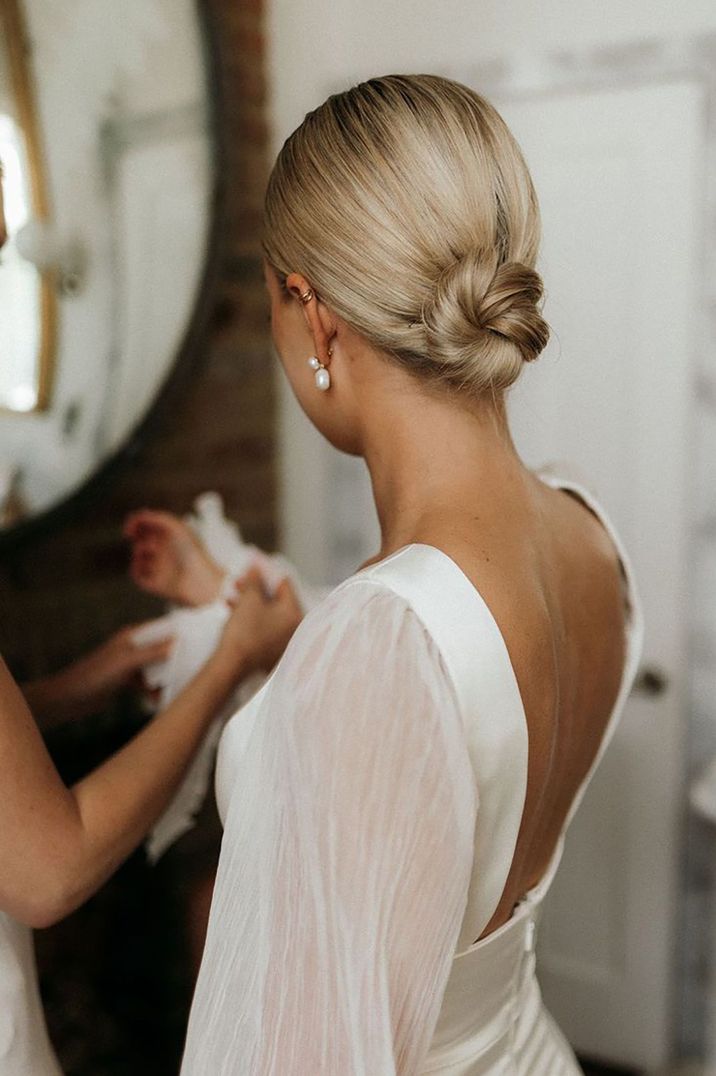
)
(360, 604)
(411, 586)
(413, 610)
(363, 664)
(412, 616)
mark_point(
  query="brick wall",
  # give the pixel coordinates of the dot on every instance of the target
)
(62, 593)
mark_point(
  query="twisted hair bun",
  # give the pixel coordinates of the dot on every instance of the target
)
(407, 204)
(481, 323)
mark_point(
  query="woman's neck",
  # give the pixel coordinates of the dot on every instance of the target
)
(437, 465)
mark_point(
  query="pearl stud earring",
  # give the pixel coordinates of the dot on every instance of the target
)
(321, 374)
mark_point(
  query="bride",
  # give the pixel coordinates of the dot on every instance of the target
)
(395, 798)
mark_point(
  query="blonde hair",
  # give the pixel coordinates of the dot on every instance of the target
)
(407, 204)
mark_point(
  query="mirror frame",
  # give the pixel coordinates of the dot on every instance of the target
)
(17, 46)
(189, 356)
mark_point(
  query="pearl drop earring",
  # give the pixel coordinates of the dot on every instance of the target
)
(321, 374)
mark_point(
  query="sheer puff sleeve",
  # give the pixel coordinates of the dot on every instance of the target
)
(346, 856)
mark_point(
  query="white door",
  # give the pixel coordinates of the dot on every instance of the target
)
(618, 176)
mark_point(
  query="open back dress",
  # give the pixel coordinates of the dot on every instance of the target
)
(372, 795)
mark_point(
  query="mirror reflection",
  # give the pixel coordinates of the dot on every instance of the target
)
(107, 179)
(26, 299)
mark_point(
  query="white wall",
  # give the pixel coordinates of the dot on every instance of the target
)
(329, 42)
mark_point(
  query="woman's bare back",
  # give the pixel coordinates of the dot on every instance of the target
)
(553, 582)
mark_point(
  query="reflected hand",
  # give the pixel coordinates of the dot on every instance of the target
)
(168, 559)
(260, 626)
(88, 684)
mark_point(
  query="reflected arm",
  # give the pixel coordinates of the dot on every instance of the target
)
(85, 686)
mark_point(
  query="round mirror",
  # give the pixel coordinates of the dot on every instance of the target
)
(108, 181)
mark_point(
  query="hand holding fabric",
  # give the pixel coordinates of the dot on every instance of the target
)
(169, 560)
(261, 624)
(87, 685)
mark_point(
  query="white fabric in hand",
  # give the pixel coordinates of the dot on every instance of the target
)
(196, 633)
(222, 540)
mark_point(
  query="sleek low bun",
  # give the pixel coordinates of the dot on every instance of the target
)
(407, 204)
(482, 322)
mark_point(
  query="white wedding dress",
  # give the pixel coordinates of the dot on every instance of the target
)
(371, 795)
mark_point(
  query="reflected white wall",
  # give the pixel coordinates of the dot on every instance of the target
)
(100, 74)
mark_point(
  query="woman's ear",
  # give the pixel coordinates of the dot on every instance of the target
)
(298, 287)
(318, 317)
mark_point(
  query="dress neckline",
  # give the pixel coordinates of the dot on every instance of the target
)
(432, 549)
(633, 631)
(632, 620)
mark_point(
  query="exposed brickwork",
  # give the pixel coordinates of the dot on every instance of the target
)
(63, 593)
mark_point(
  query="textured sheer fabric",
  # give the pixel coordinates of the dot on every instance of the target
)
(347, 853)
